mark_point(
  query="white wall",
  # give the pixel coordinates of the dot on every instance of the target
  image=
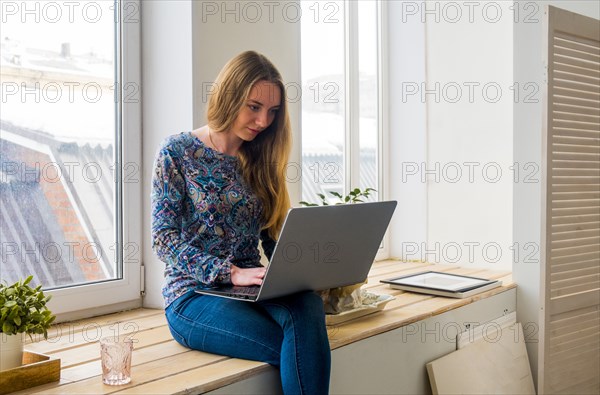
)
(451, 137)
(167, 98)
(407, 123)
(527, 145)
(185, 44)
(469, 134)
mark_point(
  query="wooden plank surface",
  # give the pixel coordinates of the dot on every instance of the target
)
(160, 365)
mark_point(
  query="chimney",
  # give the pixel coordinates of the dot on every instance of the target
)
(65, 50)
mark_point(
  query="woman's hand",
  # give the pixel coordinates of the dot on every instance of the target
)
(249, 276)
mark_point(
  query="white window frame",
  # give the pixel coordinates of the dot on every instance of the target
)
(383, 116)
(85, 300)
(352, 132)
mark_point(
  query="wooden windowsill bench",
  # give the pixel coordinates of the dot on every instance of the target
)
(370, 354)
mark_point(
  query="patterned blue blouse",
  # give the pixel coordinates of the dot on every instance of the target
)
(204, 216)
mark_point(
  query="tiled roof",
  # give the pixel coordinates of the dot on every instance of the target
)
(32, 240)
(56, 224)
(330, 173)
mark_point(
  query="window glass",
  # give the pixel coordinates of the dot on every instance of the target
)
(323, 113)
(368, 95)
(58, 142)
(326, 135)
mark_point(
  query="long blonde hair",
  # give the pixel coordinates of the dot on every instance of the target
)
(263, 160)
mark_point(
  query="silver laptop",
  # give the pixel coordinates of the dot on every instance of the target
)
(319, 248)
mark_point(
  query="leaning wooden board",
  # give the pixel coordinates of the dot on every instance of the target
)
(494, 365)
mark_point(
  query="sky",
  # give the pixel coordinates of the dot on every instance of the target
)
(323, 37)
(87, 25)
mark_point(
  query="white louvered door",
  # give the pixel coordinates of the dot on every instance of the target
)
(570, 334)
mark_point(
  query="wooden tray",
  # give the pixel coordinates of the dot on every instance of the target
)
(37, 369)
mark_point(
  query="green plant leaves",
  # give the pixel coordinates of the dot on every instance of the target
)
(355, 196)
(8, 328)
(23, 309)
(308, 204)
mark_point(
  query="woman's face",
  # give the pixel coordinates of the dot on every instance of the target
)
(258, 112)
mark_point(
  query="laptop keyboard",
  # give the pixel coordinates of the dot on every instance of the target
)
(245, 290)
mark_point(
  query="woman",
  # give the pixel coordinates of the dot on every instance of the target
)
(215, 192)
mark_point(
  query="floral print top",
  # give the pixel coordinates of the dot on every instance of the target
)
(204, 216)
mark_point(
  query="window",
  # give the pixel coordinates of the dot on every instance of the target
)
(323, 109)
(69, 89)
(341, 107)
(343, 97)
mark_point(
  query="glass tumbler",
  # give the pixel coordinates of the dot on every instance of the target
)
(115, 354)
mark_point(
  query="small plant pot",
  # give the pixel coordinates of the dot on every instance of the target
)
(11, 351)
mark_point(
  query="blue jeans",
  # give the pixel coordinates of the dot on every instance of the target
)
(287, 332)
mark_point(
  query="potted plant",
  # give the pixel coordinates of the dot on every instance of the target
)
(22, 310)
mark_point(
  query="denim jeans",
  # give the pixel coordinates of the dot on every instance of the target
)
(287, 332)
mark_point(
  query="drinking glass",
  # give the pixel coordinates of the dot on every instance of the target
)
(116, 353)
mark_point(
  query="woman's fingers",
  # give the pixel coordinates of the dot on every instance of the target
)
(249, 276)
(261, 272)
(258, 274)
